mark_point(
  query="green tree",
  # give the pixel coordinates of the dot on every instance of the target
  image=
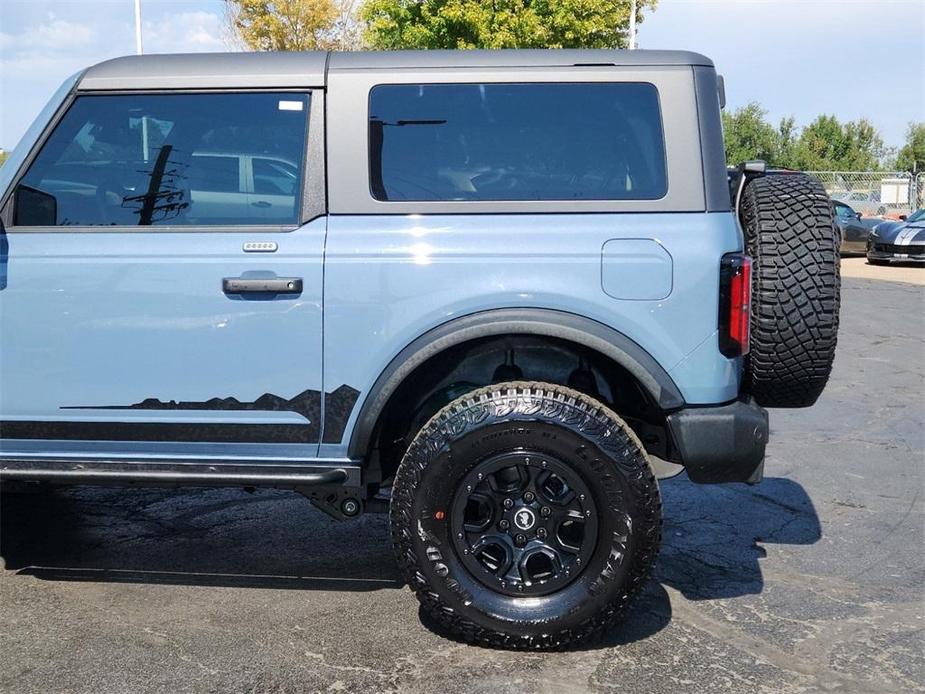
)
(394, 24)
(911, 156)
(283, 25)
(786, 143)
(826, 144)
(748, 135)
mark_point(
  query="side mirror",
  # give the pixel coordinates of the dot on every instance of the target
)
(902, 218)
(34, 208)
(858, 215)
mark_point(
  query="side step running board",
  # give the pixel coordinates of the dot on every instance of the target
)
(174, 473)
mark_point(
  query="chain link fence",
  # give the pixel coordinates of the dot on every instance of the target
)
(875, 193)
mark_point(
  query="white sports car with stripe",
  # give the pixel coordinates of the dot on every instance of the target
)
(898, 241)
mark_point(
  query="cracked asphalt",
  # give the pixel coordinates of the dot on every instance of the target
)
(812, 581)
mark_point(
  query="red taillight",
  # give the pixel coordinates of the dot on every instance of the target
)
(735, 292)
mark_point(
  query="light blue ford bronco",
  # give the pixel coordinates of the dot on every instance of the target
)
(497, 294)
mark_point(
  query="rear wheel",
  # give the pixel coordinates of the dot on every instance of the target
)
(791, 235)
(525, 515)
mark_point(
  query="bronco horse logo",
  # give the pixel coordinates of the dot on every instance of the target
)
(524, 519)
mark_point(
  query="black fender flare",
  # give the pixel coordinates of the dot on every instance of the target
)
(513, 321)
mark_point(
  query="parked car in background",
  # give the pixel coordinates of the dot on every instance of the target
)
(867, 201)
(253, 186)
(854, 228)
(902, 241)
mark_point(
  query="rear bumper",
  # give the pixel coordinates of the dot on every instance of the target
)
(724, 443)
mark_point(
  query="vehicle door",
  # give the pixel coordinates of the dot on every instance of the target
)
(854, 233)
(145, 298)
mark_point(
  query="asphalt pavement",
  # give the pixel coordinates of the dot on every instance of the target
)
(811, 581)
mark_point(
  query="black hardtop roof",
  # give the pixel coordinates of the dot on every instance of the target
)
(309, 69)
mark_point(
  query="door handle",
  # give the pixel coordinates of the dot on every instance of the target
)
(273, 285)
(261, 203)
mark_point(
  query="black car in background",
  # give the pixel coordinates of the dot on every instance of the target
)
(902, 241)
(853, 227)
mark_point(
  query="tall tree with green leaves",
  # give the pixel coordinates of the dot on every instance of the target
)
(395, 24)
(827, 144)
(749, 136)
(911, 156)
(283, 25)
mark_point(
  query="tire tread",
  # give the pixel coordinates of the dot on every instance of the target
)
(791, 235)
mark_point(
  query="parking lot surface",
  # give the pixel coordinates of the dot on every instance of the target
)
(811, 581)
(895, 272)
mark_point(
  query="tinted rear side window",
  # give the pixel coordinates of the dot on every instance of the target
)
(578, 141)
(164, 160)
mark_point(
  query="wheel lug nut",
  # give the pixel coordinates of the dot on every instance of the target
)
(541, 533)
(545, 512)
(520, 539)
(529, 497)
(508, 503)
(503, 524)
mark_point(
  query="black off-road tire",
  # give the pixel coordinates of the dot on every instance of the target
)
(791, 235)
(553, 422)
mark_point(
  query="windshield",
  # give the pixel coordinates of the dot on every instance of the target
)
(916, 216)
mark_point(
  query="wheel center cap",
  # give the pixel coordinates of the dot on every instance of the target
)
(524, 519)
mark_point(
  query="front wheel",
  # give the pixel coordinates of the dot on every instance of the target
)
(525, 515)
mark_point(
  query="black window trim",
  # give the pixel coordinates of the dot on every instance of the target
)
(313, 188)
(371, 176)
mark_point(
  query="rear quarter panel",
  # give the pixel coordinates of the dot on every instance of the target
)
(391, 278)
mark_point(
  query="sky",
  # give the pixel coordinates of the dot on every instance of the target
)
(850, 58)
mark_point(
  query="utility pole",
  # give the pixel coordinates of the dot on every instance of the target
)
(632, 43)
(138, 48)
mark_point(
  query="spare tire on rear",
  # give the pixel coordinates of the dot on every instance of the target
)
(791, 236)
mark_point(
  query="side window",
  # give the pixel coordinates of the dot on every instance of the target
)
(844, 212)
(165, 160)
(571, 141)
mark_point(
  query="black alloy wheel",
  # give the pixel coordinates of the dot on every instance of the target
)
(524, 523)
